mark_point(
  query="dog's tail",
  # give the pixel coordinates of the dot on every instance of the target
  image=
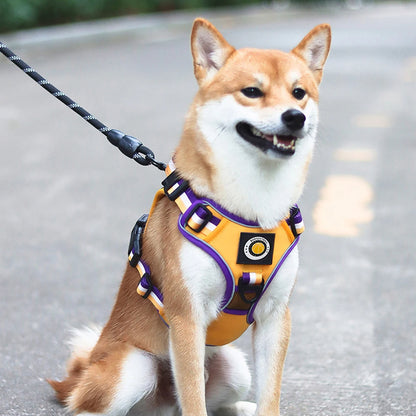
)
(81, 343)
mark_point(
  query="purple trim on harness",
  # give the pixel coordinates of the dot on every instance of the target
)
(146, 267)
(230, 215)
(229, 278)
(193, 198)
(199, 211)
(295, 216)
(245, 277)
(250, 314)
(202, 213)
(145, 282)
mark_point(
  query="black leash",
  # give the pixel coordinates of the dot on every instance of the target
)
(128, 145)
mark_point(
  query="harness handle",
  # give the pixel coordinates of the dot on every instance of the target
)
(128, 145)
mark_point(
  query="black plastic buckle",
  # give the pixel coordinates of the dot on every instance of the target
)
(205, 220)
(149, 290)
(245, 288)
(135, 244)
(171, 180)
(293, 212)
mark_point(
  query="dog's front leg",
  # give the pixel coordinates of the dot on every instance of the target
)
(187, 349)
(270, 341)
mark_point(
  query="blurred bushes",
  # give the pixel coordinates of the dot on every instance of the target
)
(22, 14)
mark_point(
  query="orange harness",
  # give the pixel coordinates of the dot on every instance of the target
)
(248, 255)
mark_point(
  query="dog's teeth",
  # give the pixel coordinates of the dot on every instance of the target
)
(292, 143)
(255, 131)
(275, 142)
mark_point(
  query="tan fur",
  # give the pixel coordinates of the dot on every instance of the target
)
(241, 69)
(192, 156)
(134, 322)
(200, 61)
(299, 51)
(97, 382)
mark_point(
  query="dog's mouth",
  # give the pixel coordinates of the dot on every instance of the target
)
(282, 144)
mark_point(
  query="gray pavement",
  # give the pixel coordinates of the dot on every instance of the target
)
(69, 199)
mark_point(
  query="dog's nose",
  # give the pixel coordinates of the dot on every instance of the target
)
(293, 119)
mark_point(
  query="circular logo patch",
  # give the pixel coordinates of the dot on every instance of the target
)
(256, 248)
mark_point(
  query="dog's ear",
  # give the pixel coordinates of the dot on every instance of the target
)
(314, 49)
(209, 50)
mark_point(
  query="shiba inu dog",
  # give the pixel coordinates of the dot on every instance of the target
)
(246, 146)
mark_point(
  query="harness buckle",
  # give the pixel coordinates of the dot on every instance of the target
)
(294, 213)
(135, 245)
(170, 181)
(245, 288)
(205, 218)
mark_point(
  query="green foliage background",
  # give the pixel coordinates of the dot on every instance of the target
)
(23, 14)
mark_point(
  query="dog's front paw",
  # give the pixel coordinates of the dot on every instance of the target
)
(237, 409)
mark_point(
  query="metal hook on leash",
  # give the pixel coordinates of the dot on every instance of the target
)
(133, 148)
(128, 145)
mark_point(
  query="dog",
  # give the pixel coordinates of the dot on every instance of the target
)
(245, 150)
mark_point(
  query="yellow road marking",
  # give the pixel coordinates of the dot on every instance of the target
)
(343, 206)
(355, 155)
(372, 121)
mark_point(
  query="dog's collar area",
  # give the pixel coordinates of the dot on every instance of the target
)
(196, 212)
(282, 144)
(179, 191)
(173, 185)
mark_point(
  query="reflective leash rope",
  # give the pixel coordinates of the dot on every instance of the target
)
(128, 145)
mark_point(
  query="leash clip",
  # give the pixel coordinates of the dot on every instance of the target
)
(135, 245)
(133, 148)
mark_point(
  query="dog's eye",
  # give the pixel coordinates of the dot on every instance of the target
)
(298, 93)
(252, 92)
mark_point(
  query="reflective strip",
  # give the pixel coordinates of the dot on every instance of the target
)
(256, 278)
(155, 296)
(140, 267)
(252, 278)
(295, 219)
(170, 167)
(131, 255)
(300, 227)
(184, 203)
(157, 302)
(183, 200)
(195, 221)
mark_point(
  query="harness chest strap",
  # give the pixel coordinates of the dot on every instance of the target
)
(261, 254)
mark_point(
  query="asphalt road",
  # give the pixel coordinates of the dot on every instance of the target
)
(69, 199)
